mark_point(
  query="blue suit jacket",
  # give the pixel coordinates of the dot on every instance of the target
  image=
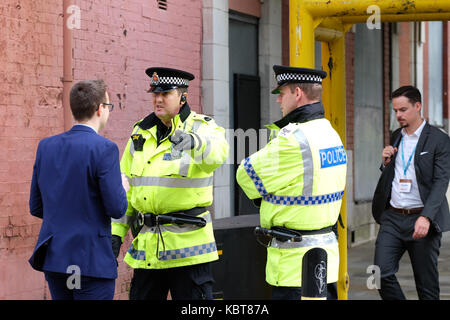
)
(76, 189)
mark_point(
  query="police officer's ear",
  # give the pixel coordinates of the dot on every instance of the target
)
(183, 98)
(298, 93)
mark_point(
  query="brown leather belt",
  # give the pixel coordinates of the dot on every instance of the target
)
(407, 211)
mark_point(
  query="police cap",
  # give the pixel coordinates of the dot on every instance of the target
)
(285, 74)
(166, 79)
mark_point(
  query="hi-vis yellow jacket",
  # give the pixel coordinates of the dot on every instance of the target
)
(162, 181)
(300, 176)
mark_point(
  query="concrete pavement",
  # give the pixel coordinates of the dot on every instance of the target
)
(361, 256)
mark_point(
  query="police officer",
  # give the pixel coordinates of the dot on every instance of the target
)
(299, 179)
(169, 161)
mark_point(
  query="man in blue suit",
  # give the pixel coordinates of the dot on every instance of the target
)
(76, 188)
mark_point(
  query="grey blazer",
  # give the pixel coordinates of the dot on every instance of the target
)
(432, 166)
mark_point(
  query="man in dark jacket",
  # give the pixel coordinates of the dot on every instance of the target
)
(76, 189)
(410, 199)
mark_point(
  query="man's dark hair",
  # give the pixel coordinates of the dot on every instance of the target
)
(410, 92)
(85, 96)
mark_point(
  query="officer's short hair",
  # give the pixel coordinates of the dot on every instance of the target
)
(182, 90)
(85, 96)
(313, 91)
(410, 92)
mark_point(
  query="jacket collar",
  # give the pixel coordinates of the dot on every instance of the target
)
(82, 127)
(422, 139)
(303, 114)
(152, 120)
(397, 135)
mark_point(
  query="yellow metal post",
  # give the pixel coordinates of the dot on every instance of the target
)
(301, 35)
(334, 95)
(328, 21)
(345, 8)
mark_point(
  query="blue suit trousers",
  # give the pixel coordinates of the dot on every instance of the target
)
(65, 287)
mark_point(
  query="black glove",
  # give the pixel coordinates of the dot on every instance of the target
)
(116, 244)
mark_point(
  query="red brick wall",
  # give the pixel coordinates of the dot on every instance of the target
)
(118, 40)
(425, 93)
(285, 32)
(404, 39)
(30, 109)
(446, 67)
(350, 85)
(386, 82)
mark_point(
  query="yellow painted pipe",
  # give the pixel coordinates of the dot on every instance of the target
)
(438, 16)
(341, 8)
(301, 35)
(334, 100)
(329, 20)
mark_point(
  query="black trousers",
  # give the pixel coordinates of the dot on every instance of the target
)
(394, 238)
(295, 293)
(185, 283)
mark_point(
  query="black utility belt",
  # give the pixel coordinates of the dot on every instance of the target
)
(179, 217)
(284, 234)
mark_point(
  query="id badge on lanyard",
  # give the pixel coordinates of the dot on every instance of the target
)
(406, 184)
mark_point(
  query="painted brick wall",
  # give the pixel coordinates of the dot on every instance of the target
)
(386, 83)
(117, 41)
(350, 89)
(30, 109)
(425, 90)
(446, 66)
(404, 46)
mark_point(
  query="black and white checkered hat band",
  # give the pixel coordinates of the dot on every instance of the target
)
(171, 80)
(292, 77)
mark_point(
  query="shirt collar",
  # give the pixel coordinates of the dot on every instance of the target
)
(417, 132)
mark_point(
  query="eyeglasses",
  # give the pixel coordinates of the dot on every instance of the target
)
(110, 106)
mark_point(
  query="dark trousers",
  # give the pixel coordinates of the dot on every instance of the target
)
(394, 238)
(295, 293)
(185, 283)
(89, 288)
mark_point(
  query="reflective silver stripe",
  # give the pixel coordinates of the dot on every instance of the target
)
(196, 125)
(184, 164)
(206, 152)
(126, 219)
(308, 166)
(171, 182)
(132, 144)
(188, 252)
(207, 148)
(174, 227)
(317, 240)
(200, 143)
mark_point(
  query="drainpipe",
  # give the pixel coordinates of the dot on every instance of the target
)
(67, 79)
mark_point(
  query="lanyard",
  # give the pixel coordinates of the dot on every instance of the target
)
(405, 167)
